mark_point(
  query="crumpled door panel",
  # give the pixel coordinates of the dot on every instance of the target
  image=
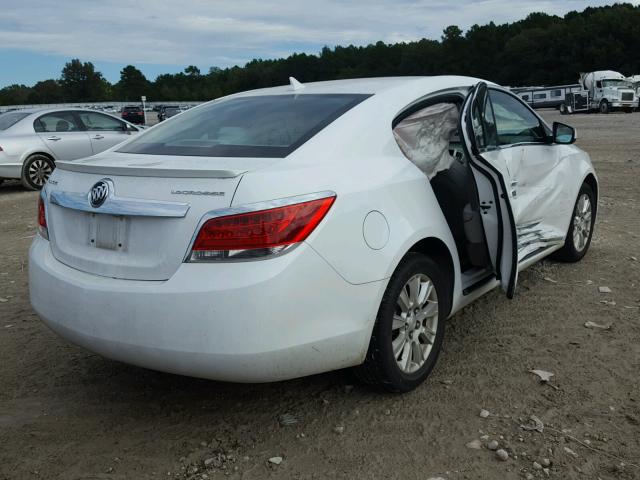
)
(541, 206)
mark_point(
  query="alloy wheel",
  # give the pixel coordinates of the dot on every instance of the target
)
(39, 172)
(415, 323)
(582, 222)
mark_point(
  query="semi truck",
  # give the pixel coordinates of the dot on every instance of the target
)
(608, 90)
(634, 80)
(602, 91)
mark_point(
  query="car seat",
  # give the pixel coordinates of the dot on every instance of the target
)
(62, 126)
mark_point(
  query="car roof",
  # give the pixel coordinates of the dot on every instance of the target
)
(387, 92)
(374, 85)
(32, 113)
(55, 109)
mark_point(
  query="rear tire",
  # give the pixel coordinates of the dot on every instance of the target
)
(36, 171)
(580, 229)
(405, 342)
(563, 109)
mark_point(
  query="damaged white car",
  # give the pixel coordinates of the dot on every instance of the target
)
(294, 230)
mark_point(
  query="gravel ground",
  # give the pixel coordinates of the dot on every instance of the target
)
(68, 414)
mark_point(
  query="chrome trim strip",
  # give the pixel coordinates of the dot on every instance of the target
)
(132, 207)
(254, 207)
(148, 170)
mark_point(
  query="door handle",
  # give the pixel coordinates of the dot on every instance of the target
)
(97, 137)
(54, 138)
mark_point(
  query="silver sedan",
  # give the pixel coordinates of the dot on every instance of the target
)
(32, 140)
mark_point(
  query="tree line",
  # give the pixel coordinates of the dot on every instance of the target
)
(541, 49)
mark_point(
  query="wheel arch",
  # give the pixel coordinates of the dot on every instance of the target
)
(39, 152)
(592, 181)
(437, 250)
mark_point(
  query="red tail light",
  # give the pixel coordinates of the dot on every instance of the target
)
(42, 219)
(259, 233)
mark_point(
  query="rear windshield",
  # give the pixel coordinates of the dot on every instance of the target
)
(257, 126)
(9, 119)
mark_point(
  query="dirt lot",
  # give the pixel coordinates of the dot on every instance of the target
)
(68, 414)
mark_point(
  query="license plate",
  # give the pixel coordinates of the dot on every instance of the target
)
(107, 231)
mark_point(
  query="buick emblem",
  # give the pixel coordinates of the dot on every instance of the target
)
(98, 193)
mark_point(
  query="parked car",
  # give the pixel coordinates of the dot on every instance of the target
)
(133, 114)
(33, 140)
(289, 231)
(168, 111)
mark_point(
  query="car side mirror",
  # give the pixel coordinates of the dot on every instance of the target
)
(563, 134)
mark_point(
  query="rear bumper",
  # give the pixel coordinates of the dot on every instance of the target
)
(259, 321)
(10, 170)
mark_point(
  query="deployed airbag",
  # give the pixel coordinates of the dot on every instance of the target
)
(424, 137)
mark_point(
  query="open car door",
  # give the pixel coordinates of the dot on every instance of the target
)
(479, 137)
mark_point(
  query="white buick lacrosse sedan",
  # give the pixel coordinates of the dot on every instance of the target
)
(288, 231)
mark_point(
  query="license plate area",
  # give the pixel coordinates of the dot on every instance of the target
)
(108, 232)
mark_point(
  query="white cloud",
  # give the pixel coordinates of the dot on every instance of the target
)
(224, 33)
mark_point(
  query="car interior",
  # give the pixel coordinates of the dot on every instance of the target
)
(456, 192)
(53, 123)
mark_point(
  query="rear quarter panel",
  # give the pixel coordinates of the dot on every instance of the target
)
(18, 147)
(359, 160)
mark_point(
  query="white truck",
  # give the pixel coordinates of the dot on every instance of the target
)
(634, 80)
(602, 91)
(605, 91)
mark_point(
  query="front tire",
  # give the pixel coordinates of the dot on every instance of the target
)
(604, 107)
(36, 171)
(409, 329)
(581, 228)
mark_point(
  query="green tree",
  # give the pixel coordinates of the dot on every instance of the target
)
(47, 91)
(132, 85)
(192, 71)
(451, 34)
(15, 95)
(82, 83)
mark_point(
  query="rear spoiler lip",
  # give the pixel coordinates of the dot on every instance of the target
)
(146, 171)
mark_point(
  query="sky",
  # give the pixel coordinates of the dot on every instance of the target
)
(37, 37)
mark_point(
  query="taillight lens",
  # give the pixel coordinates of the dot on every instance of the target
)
(42, 219)
(260, 233)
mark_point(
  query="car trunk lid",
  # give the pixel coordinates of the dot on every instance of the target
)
(144, 226)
